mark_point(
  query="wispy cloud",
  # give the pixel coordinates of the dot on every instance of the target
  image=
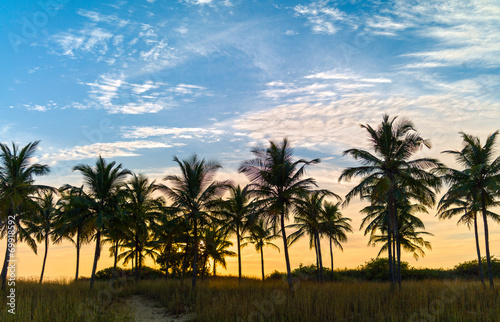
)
(466, 32)
(314, 117)
(322, 17)
(141, 132)
(106, 150)
(115, 94)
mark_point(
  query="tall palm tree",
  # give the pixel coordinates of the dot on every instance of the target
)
(72, 222)
(104, 183)
(278, 182)
(42, 225)
(193, 193)
(143, 208)
(260, 235)
(308, 218)
(235, 213)
(451, 205)
(478, 181)
(390, 168)
(335, 226)
(17, 186)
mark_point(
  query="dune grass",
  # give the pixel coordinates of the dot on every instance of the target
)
(65, 301)
(224, 299)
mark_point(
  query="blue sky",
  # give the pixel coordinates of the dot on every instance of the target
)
(141, 81)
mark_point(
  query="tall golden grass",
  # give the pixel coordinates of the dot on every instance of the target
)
(224, 299)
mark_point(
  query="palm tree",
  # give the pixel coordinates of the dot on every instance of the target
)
(193, 193)
(335, 226)
(72, 221)
(390, 168)
(216, 243)
(277, 181)
(143, 209)
(104, 183)
(17, 186)
(409, 239)
(42, 225)
(451, 205)
(309, 220)
(235, 213)
(478, 181)
(165, 231)
(260, 235)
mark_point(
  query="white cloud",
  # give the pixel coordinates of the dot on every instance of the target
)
(314, 116)
(113, 93)
(466, 32)
(321, 16)
(98, 17)
(106, 150)
(87, 40)
(140, 132)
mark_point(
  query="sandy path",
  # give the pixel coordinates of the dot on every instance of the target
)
(149, 310)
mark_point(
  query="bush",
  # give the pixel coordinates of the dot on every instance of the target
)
(470, 269)
(275, 275)
(146, 273)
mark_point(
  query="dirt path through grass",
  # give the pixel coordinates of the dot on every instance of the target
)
(149, 310)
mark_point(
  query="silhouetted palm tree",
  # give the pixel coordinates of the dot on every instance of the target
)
(388, 170)
(260, 235)
(278, 182)
(193, 193)
(143, 208)
(17, 186)
(478, 181)
(72, 222)
(235, 215)
(335, 226)
(309, 220)
(104, 184)
(216, 243)
(42, 225)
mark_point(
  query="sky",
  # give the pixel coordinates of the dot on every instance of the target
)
(141, 81)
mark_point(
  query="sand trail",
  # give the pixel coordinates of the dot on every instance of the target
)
(147, 309)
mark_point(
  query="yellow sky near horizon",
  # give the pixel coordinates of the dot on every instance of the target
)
(453, 244)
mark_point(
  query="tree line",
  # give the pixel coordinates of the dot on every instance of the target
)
(184, 223)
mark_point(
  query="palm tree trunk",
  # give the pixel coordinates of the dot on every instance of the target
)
(136, 257)
(167, 260)
(331, 256)
(389, 255)
(7, 252)
(96, 257)
(195, 257)
(215, 266)
(398, 248)
(77, 253)
(262, 262)
(391, 225)
(44, 257)
(184, 260)
(487, 241)
(479, 261)
(239, 254)
(317, 257)
(115, 260)
(320, 259)
(4, 268)
(285, 247)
